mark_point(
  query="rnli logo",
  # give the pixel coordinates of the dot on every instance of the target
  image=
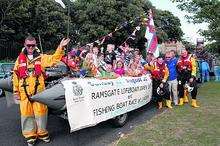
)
(77, 89)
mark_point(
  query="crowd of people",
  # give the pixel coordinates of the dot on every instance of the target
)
(207, 63)
(173, 78)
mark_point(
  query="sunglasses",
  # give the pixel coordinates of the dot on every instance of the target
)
(31, 45)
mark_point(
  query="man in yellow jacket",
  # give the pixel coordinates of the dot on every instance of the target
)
(29, 79)
(186, 67)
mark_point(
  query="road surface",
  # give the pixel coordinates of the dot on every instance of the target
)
(99, 135)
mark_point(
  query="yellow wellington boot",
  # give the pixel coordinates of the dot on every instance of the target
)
(194, 104)
(181, 101)
(168, 103)
(160, 105)
(185, 97)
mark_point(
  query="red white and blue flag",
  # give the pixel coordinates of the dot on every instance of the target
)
(150, 34)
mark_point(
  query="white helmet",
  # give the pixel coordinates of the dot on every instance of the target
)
(189, 88)
(160, 91)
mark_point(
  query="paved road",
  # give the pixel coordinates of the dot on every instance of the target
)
(100, 135)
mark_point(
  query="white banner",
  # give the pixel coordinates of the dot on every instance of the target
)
(90, 101)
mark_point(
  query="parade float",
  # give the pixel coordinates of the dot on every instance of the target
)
(85, 102)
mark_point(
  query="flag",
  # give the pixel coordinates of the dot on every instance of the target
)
(157, 52)
(61, 3)
(150, 34)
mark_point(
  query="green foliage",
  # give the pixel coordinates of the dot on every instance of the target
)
(32, 17)
(168, 26)
(213, 48)
(205, 11)
(89, 20)
(190, 46)
(96, 18)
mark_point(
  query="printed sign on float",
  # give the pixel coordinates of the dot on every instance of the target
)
(90, 101)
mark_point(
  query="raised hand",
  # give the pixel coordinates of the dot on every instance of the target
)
(64, 42)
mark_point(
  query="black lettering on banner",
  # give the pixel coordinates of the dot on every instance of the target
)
(132, 102)
(118, 91)
(129, 96)
(149, 86)
(121, 104)
(145, 79)
(145, 97)
(104, 94)
(145, 87)
(78, 99)
(130, 90)
(134, 80)
(103, 110)
(115, 92)
(93, 96)
(110, 83)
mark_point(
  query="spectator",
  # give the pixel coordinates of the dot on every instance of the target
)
(134, 70)
(89, 67)
(110, 55)
(119, 70)
(108, 73)
(205, 71)
(217, 69)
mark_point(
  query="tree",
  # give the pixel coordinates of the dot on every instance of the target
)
(168, 26)
(5, 7)
(89, 20)
(95, 18)
(35, 17)
(204, 11)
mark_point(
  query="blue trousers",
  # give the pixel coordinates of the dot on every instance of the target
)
(217, 73)
(205, 76)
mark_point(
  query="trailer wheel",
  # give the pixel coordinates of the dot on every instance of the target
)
(1, 92)
(120, 121)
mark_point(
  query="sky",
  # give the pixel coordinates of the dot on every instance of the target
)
(189, 29)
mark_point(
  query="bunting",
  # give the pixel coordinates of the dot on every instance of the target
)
(123, 25)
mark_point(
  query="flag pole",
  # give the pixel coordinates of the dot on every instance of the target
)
(68, 22)
(68, 33)
(68, 27)
(41, 48)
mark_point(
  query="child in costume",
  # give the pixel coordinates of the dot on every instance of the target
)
(119, 70)
(134, 70)
(108, 73)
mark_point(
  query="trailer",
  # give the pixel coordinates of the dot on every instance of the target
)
(85, 102)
